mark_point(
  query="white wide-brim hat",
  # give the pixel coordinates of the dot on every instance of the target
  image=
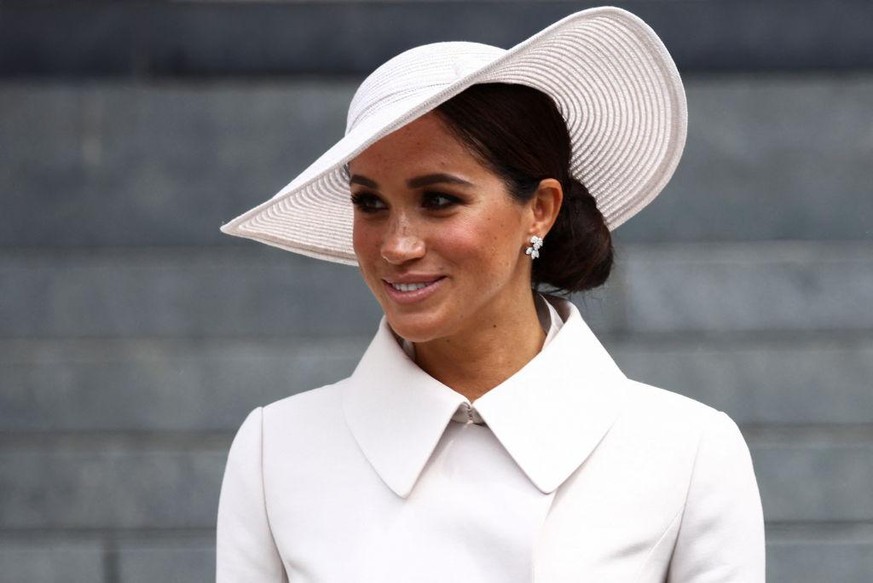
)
(608, 72)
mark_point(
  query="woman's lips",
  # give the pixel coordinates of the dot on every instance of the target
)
(411, 291)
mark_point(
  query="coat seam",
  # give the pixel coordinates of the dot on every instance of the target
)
(688, 493)
(676, 517)
(264, 495)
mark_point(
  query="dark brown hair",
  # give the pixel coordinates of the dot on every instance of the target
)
(519, 134)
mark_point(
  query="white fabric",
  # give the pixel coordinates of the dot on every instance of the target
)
(607, 71)
(578, 475)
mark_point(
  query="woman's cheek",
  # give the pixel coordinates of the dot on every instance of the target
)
(365, 236)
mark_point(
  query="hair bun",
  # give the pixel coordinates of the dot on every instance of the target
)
(578, 252)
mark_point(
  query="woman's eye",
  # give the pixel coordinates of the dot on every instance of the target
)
(367, 203)
(438, 200)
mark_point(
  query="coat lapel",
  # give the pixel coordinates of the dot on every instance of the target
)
(552, 414)
(549, 416)
(396, 412)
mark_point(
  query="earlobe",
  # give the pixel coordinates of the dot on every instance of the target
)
(546, 204)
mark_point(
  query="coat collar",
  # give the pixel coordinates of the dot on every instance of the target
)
(549, 416)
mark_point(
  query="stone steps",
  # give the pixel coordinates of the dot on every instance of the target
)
(121, 390)
(164, 559)
(134, 337)
(126, 485)
(150, 386)
(136, 164)
(168, 39)
(744, 288)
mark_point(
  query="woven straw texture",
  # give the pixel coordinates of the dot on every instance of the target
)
(608, 72)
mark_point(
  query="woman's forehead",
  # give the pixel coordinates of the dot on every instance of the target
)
(425, 141)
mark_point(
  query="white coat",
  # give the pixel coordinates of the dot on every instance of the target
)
(586, 476)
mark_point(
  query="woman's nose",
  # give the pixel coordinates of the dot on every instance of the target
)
(402, 244)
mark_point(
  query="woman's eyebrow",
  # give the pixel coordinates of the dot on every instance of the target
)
(429, 179)
(363, 181)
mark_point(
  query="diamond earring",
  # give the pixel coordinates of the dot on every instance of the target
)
(534, 249)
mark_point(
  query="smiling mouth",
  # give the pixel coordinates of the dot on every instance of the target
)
(408, 287)
(412, 292)
(411, 286)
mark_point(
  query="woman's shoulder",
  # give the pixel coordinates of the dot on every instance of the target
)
(298, 421)
(674, 422)
(645, 397)
(323, 402)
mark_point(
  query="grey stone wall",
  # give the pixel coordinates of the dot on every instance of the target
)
(134, 337)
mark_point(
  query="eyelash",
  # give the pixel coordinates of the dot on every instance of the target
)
(429, 198)
(370, 203)
(367, 202)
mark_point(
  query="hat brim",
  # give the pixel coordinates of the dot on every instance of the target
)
(610, 76)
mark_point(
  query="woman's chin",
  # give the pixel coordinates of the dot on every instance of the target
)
(418, 327)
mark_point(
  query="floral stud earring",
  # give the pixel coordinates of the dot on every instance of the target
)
(534, 249)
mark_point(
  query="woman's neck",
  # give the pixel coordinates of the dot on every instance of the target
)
(479, 359)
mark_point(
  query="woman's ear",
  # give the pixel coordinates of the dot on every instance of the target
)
(545, 206)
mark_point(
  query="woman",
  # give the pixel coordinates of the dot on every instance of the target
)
(486, 435)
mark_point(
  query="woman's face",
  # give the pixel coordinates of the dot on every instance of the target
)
(439, 240)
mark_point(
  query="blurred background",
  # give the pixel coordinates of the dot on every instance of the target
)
(134, 337)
